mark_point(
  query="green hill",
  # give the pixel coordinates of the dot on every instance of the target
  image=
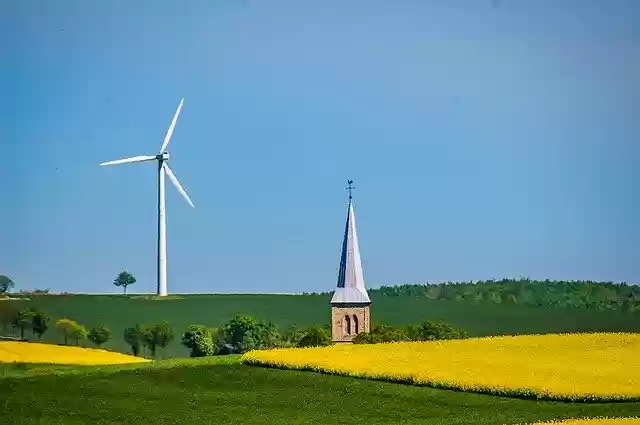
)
(221, 391)
(479, 318)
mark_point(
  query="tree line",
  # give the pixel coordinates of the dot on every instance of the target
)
(244, 333)
(585, 294)
(239, 335)
(525, 292)
(21, 321)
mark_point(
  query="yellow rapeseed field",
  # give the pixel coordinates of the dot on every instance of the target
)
(594, 421)
(577, 367)
(30, 352)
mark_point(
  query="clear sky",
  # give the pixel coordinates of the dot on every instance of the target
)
(496, 138)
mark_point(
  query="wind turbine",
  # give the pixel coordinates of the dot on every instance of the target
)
(162, 157)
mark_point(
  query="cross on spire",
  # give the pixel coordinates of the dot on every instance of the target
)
(350, 187)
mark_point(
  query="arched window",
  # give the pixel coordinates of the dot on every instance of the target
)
(355, 324)
(347, 325)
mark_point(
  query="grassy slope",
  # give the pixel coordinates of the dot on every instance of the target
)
(119, 312)
(206, 391)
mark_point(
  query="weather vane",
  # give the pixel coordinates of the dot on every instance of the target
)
(350, 187)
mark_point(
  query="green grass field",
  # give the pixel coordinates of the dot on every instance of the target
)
(219, 390)
(119, 312)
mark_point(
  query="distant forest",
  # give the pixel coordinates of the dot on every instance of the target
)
(526, 292)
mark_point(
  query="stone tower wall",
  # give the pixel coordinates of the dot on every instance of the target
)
(339, 322)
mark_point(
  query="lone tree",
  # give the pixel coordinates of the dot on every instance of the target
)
(134, 337)
(6, 284)
(68, 328)
(99, 334)
(157, 335)
(124, 279)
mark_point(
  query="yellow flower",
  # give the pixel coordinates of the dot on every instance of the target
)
(594, 421)
(579, 367)
(30, 352)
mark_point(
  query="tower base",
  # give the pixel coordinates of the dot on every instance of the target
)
(348, 320)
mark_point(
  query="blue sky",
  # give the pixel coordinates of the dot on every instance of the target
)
(486, 139)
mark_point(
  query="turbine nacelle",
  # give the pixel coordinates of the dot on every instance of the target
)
(164, 156)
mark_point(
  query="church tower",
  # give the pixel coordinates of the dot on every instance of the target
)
(350, 305)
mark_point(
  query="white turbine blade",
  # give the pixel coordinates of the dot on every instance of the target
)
(175, 181)
(167, 137)
(141, 158)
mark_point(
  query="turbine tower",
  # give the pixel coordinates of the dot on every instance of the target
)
(162, 157)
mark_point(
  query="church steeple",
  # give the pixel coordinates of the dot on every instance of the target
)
(350, 287)
(350, 302)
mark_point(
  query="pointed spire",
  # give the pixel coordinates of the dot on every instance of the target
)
(350, 287)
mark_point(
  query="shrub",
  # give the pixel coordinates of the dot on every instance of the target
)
(39, 323)
(428, 331)
(425, 331)
(314, 337)
(8, 312)
(381, 333)
(157, 335)
(99, 334)
(244, 333)
(199, 339)
(71, 329)
(134, 337)
(22, 320)
(79, 333)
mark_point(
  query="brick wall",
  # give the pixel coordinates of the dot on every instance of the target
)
(339, 322)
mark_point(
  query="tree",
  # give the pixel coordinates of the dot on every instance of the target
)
(39, 323)
(8, 313)
(199, 339)
(267, 335)
(425, 331)
(314, 337)
(244, 332)
(99, 334)
(22, 321)
(292, 336)
(381, 333)
(6, 284)
(124, 279)
(134, 337)
(68, 328)
(249, 342)
(526, 292)
(157, 335)
(79, 333)
(239, 332)
(428, 331)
